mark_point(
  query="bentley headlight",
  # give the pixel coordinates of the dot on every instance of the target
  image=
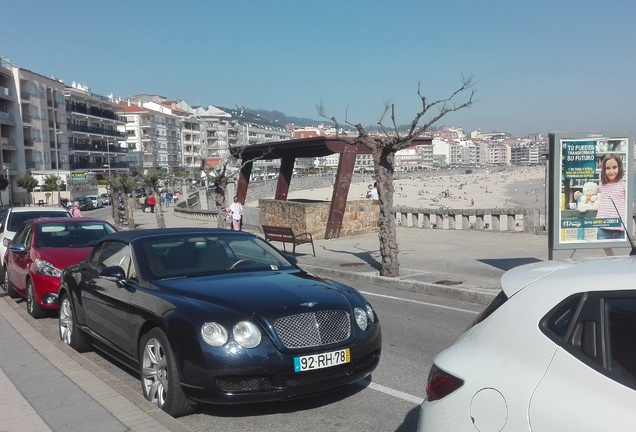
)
(361, 318)
(370, 313)
(246, 334)
(214, 334)
(46, 268)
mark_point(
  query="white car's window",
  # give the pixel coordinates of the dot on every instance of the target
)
(16, 218)
(619, 322)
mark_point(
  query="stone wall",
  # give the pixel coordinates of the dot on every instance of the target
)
(360, 217)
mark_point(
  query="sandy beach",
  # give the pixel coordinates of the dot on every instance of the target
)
(498, 188)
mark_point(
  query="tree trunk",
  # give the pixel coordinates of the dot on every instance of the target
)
(129, 205)
(389, 250)
(161, 221)
(220, 201)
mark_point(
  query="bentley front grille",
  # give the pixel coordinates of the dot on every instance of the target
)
(313, 329)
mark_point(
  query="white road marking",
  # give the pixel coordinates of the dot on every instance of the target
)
(420, 302)
(392, 392)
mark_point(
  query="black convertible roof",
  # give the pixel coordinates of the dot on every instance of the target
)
(130, 235)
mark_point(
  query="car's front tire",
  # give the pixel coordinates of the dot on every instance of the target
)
(33, 307)
(70, 334)
(159, 375)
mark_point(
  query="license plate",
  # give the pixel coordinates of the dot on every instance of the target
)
(320, 361)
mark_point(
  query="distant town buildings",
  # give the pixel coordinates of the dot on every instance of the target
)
(50, 128)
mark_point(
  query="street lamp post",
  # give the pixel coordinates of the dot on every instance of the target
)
(57, 161)
(6, 168)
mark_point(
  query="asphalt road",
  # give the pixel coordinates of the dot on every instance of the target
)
(415, 328)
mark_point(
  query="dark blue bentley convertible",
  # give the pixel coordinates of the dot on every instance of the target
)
(216, 316)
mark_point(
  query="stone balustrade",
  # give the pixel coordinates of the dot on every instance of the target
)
(511, 220)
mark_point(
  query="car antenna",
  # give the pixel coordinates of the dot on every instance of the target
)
(629, 237)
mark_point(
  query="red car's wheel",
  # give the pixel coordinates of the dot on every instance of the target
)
(32, 303)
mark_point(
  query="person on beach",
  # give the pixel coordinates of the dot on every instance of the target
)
(612, 196)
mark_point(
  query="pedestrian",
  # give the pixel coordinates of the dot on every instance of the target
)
(75, 211)
(166, 199)
(236, 211)
(152, 202)
(373, 193)
(177, 195)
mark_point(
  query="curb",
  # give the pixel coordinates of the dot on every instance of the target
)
(472, 295)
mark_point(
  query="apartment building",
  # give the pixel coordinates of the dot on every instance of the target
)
(96, 145)
(33, 127)
(222, 128)
(153, 135)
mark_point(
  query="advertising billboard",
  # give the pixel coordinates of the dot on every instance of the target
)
(591, 192)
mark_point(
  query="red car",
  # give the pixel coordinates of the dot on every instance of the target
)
(40, 250)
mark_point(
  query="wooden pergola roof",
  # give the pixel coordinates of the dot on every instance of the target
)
(288, 151)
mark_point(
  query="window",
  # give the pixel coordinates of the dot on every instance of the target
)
(109, 253)
(559, 320)
(619, 324)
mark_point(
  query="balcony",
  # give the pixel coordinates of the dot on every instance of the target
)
(95, 130)
(7, 142)
(29, 142)
(6, 117)
(6, 93)
(96, 147)
(94, 111)
(98, 165)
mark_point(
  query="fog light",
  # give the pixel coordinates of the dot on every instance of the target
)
(49, 299)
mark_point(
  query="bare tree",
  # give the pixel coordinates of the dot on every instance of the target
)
(151, 181)
(220, 176)
(126, 186)
(383, 151)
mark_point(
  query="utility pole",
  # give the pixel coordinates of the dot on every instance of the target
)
(58, 181)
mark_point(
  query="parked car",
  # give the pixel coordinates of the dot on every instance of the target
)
(97, 201)
(554, 351)
(216, 316)
(85, 203)
(106, 199)
(140, 192)
(12, 217)
(40, 250)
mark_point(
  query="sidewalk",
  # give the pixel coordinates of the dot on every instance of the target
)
(47, 386)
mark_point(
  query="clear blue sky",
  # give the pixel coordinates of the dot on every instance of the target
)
(541, 65)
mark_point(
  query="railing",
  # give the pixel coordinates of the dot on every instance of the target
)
(99, 148)
(95, 130)
(5, 91)
(95, 165)
(6, 116)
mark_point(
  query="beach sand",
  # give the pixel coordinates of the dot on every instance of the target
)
(501, 188)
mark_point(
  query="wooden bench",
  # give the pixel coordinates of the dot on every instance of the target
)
(286, 235)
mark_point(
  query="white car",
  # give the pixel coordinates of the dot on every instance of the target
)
(555, 351)
(97, 201)
(12, 217)
(106, 199)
